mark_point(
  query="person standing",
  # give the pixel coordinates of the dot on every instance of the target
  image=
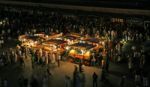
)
(46, 57)
(75, 76)
(95, 76)
(93, 61)
(16, 57)
(82, 79)
(103, 64)
(130, 65)
(58, 60)
(22, 60)
(0, 82)
(107, 63)
(80, 67)
(5, 82)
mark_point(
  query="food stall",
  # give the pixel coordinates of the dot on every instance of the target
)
(73, 46)
(81, 52)
(54, 35)
(55, 45)
(72, 38)
(31, 40)
(95, 41)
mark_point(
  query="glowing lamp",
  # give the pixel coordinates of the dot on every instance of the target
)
(87, 54)
(72, 52)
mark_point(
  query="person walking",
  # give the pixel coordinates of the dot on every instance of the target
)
(45, 80)
(49, 72)
(34, 82)
(103, 77)
(67, 81)
(20, 81)
(145, 81)
(137, 80)
(82, 79)
(122, 81)
(58, 60)
(95, 76)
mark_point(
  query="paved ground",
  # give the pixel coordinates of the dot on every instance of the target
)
(13, 71)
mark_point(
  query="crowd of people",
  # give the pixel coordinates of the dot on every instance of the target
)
(15, 21)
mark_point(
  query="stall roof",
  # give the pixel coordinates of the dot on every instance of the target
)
(34, 38)
(72, 36)
(83, 45)
(93, 40)
(55, 41)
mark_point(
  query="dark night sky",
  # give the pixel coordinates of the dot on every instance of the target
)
(81, 0)
(140, 4)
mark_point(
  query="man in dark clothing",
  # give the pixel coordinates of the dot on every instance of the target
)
(34, 83)
(122, 81)
(107, 63)
(75, 76)
(49, 72)
(25, 82)
(20, 81)
(80, 67)
(103, 78)
(95, 79)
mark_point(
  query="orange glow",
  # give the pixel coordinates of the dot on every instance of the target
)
(72, 52)
(87, 54)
